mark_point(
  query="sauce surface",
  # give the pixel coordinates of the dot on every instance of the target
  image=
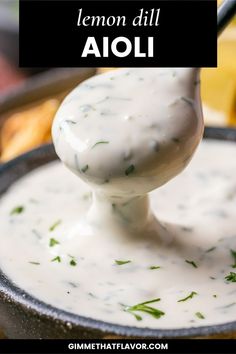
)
(103, 277)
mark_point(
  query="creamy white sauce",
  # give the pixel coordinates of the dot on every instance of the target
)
(198, 207)
(125, 134)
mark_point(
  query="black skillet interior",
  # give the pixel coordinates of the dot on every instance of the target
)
(22, 316)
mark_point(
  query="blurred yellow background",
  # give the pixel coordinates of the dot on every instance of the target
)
(218, 85)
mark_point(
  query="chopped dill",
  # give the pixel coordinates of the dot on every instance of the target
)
(192, 263)
(233, 254)
(17, 210)
(53, 242)
(190, 296)
(120, 262)
(143, 307)
(100, 142)
(231, 277)
(73, 262)
(52, 228)
(154, 267)
(200, 315)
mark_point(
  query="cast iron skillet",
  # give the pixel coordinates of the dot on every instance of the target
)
(23, 316)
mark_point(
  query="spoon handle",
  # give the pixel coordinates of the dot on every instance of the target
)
(225, 13)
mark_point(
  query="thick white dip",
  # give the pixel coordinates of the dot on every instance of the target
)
(100, 258)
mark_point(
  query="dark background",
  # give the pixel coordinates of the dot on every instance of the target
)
(49, 36)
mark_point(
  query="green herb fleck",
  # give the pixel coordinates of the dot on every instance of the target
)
(190, 296)
(56, 259)
(231, 277)
(100, 142)
(85, 168)
(35, 263)
(17, 210)
(213, 278)
(154, 267)
(200, 315)
(129, 170)
(73, 262)
(192, 263)
(233, 254)
(119, 262)
(138, 317)
(53, 242)
(52, 228)
(210, 249)
(142, 307)
(214, 295)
